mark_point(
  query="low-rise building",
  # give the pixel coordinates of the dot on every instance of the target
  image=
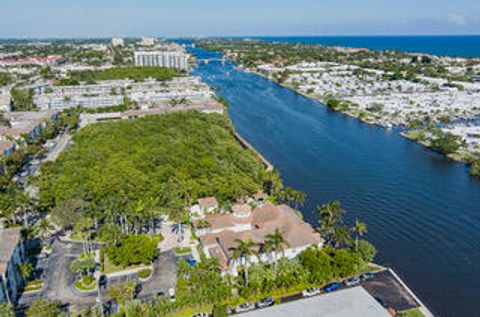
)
(12, 254)
(117, 41)
(345, 303)
(26, 123)
(254, 224)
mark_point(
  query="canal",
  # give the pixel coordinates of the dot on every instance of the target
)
(422, 210)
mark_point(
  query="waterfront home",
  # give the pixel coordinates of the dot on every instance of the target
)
(12, 254)
(218, 234)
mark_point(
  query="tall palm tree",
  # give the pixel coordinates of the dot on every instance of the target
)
(359, 229)
(341, 236)
(243, 251)
(330, 218)
(274, 243)
(43, 227)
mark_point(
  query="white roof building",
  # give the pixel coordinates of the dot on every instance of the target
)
(346, 303)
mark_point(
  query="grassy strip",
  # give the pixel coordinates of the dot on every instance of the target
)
(184, 250)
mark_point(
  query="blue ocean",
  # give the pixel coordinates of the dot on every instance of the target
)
(460, 46)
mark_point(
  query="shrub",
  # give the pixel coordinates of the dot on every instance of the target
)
(145, 273)
(366, 250)
(475, 169)
(220, 311)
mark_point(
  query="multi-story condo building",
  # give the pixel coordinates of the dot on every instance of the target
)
(12, 254)
(173, 59)
(59, 101)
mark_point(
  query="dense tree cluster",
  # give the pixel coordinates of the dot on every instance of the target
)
(22, 99)
(133, 249)
(130, 72)
(175, 159)
(5, 79)
(445, 142)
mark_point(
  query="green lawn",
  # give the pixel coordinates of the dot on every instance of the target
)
(415, 312)
(184, 250)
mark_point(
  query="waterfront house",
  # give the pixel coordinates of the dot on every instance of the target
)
(245, 223)
(12, 254)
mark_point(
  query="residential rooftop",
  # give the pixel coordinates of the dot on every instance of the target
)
(9, 239)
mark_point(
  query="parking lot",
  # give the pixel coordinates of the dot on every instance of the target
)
(59, 280)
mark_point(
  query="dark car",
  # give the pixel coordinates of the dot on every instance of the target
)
(102, 281)
(331, 287)
(381, 302)
(265, 302)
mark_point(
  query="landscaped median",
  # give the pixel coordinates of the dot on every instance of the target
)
(86, 284)
(144, 274)
(33, 286)
(182, 250)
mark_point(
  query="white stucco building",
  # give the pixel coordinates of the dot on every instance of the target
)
(12, 254)
(172, 59)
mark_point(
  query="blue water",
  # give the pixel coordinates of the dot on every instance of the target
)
(464, 46)
(423, 211)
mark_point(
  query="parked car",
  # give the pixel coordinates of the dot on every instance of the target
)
(309, 292)
(171, 294)
(244, 307)
(366, 276)
(102, 281)
(331, 287)
(381, 302)
(352, 281)
(265, 302)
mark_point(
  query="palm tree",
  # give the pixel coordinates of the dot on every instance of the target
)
(274, 243)
(299, 198)
(359, 229)
(273, 184)
(43, 227)
(341, 236)
(243, 251)
(330, 218)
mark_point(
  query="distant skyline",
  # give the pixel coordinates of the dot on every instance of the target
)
(128, 18)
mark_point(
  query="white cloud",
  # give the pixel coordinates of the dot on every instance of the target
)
(458, 19)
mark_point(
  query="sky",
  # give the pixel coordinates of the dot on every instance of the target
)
(174, 18)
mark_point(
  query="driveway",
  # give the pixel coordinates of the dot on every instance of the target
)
(164, 275)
